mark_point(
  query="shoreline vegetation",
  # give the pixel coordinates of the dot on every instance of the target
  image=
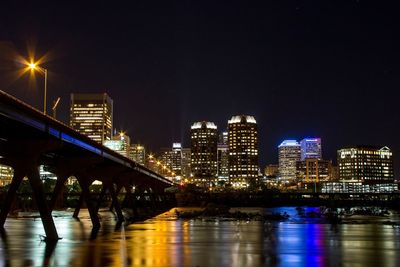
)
(355, 215)
(224, 212)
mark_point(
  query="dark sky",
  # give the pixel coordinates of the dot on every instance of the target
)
(302, 68)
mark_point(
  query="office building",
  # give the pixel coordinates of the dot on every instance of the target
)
(223, 138)
(204, 139)
(311, 148)
(271, 171)
(137, 153)
(289, 155)
(312, 171)
(243, 150)
(366, 164)
(172, 158)
(120, 143)
(92, 115)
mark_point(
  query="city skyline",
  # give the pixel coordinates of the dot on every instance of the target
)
(167, 66)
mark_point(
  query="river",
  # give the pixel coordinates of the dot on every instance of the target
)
(167, 241)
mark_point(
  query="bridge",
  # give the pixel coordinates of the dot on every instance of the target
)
(28, 139)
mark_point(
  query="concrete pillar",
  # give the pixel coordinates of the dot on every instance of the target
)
(117, 206)
(90, 205)
(15, 183)
(58, 190)
(45, 213)
(78, 207)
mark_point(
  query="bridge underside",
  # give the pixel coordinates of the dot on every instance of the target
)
(25, 148)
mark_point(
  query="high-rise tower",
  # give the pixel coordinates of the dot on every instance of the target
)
(311, 148)
(289, 155)
(204, 138)
(92, 115)
(243, 150)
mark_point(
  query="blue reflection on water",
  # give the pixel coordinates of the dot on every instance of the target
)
(300, 241)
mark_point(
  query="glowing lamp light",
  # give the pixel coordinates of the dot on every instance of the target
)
(32, 66)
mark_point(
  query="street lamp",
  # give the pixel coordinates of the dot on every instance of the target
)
(33, 67)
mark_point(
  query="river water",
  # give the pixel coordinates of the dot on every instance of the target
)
(167, 241)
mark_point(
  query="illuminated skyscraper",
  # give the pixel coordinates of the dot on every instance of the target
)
(137, 153)
(243, 150)
(92, 115)
(366, 164)
(120, 143)
(311, 148)
(204, 138)
(289, 154)
(172, 158)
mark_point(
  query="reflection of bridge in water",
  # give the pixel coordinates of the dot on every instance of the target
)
(29, 139)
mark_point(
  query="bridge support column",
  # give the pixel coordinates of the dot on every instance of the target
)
(58, 190)
(119, 187)
(117, 206)
(45, 213)
(15, 183)
(101, 196)
(91, 207)
(78, 207)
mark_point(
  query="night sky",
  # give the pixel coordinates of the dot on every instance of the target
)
(302, 68)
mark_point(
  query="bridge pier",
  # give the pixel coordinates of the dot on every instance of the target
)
(58, 189)
(21, 170)
(101, 196)
(85, 195)
(117, 206)
(10, 196)
(78, 207)
(45, 212)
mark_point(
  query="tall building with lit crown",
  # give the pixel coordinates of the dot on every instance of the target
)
(243, 150)
(172, 158)
(137, 153)
(120, 143)
(311, 148)
(92, 115)
(366, 164)
(204, 139)
(289, 154)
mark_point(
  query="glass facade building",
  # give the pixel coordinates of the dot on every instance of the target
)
(311, 148)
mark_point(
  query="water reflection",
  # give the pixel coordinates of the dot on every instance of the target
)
(163, 241)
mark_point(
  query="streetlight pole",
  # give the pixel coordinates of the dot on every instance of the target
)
(34, 66)
(45, 92)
